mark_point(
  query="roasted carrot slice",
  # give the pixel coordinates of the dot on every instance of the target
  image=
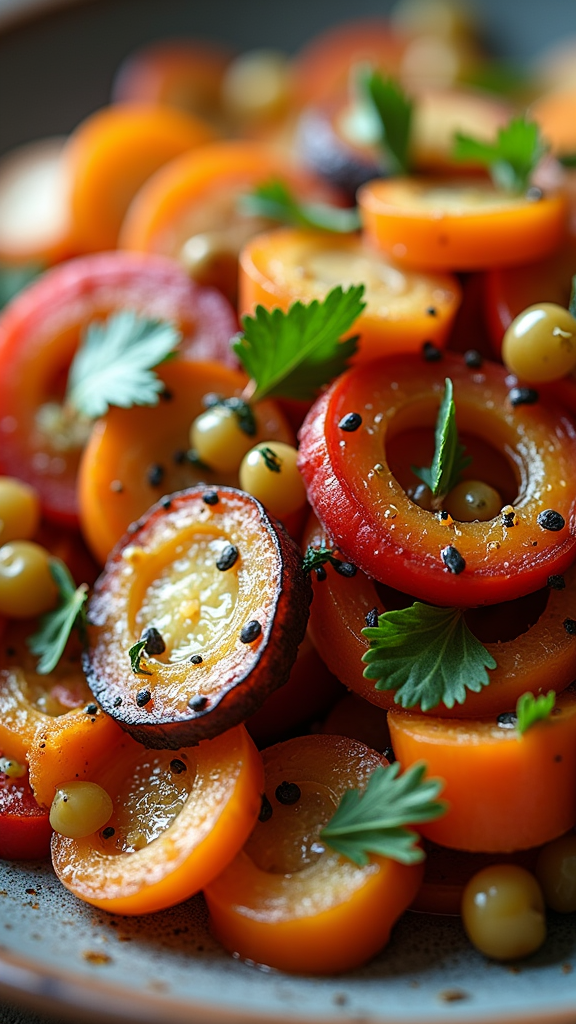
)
(25, 828)
(112, 153)
(288, 902)
(49, 722)
(191, 208)
(135, 455)
(442, 225)
(178, 73)
(526, 637)
(506, 791)
(404, 309)
(179, 818)
(219, 588)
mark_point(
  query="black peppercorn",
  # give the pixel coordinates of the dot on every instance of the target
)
(371, 619)
(570, 626)
(108, 832)
(549, 519)
(155, 475)
(473, 359)
(143, 697)
(197, 702)
(196, 659)
(345, 568)
(92, 709)
(250, 631)
(177, 766)
(265, 809)
(556, 582)
(431, 353)
(350, 422)
(507, 720)
(453, 560)
(227, 557)
(210, 498)
(523, 396)
(116, 702)
(288, 793)
(154, 641)
(321, 573)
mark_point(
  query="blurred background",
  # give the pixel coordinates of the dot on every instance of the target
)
(57, 60)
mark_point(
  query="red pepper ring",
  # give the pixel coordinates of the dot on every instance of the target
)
(377, 526)
(541, 654)
(218, 589)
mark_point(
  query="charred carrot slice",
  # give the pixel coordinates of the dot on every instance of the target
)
(404, 309)
(286, 900)
(506, 791)
(442, 225)
(112, 153)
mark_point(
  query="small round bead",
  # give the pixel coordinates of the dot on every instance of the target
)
(503, 912)
(431, 353)
(473, 501)
(154, 641)
(288, 793)
(523, 396)
(556, 582)
(143, 697)
(26, 584)
(19, 510)
(281, 490)
(227, 558)
(556, 872)
(540, 344)
(197, 702)
(177, 766)
(351, 422)
(250, 632)
(549, 519)
(218, 439)
(79, 809)
(473, 359)
(453, 560)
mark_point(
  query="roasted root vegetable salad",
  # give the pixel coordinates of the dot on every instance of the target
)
(288, 493)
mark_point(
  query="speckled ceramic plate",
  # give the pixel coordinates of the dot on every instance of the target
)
(58, 953)
(61, 955)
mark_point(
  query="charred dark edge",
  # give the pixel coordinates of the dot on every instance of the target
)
(233, 706)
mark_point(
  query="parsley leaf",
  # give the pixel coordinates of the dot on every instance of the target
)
(276, 202)
(135, 653)
(314, 557)
(114, 364)
(55, 627)
(531, 709)
(373, 821)
(518, 149)
(449, 459)
(14, 278)
(427, 655)
(394, 110)
(293, 354)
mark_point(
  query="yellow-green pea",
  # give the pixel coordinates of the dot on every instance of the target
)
(556, 872)
(540, 344)
(26, 584)
(473, 500)
(19, 510)
(503, 912)
(269, 473)
(218, 439)
(79, 809)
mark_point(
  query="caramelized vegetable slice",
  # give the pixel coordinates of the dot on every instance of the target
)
(505, 791)
(24, 826)
(403, 310)
(286, 900)
(216, 591)
(179, 818)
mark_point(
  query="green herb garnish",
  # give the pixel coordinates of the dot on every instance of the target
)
(317, 556)
(395, 111)
(449, 458)
(272, 461)
(512, 159)
(374, 821)
(56, 626)
(294, 354)
(136, 653)
(531, 709)
(275, 201)
(114, 364)
(428, 655)
(13, 279)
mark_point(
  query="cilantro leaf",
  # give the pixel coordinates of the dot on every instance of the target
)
(314, 557)
(276, 202)
(293, 354)
(374, 821)
(511, 159)
(449, 459)
(56, 626)
(531, 709)
(394, 110)
(14, 278)
(114, 364)
(427, 655)
(135, 654)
